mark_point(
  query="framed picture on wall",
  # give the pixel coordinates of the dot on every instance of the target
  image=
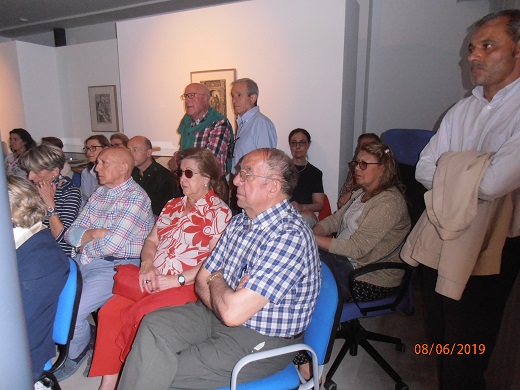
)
(103, 108)
(219, 84)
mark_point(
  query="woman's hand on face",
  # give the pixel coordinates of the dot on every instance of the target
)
(148, 275)
(47, 190)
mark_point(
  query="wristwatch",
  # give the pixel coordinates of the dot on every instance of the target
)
(51, 212)
(181, 279)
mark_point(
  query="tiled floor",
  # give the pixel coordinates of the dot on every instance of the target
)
(358, 372)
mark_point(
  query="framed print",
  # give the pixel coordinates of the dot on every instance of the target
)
(103, 108)
(219, 84)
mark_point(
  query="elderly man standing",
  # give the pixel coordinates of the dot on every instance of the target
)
(257, 291)
(488, 121)
(255, 130)
(203, 127)
(109, 231)
(156, 180)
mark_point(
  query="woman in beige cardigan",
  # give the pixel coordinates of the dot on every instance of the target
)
(370, 226)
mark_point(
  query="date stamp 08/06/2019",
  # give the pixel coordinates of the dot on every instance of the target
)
(449, 349)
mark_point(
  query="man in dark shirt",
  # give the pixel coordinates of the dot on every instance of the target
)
(156, 180)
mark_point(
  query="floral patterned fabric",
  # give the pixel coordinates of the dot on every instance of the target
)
(184, 240)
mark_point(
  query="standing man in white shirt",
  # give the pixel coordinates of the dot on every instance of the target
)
(487, 121)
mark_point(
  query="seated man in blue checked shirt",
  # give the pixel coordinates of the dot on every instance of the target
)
(257, 291)
(109, 231)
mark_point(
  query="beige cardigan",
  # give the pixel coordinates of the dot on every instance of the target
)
(458, 234)
(382, 226)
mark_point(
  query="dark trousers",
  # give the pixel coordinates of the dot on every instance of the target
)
(475, 319)
(341, 267)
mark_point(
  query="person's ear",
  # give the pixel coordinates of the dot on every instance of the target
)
(149, 152)
(273, 189)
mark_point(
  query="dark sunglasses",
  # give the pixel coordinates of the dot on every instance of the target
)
(187, 172)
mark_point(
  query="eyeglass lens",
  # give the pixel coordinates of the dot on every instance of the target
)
(92, 148)
(190, 95)
(296, 143)
(362, 165)
(187, 172)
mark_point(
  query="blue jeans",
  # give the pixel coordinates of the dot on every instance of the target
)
(98, 280)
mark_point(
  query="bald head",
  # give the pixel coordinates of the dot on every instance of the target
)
(196, 100)
(141, 149)
(114, 166)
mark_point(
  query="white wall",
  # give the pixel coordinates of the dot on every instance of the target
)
(12, 112)
(415, 50)
(293, 49)
(40, 87)
(81, 66)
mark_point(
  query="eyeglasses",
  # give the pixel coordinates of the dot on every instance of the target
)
(243, 174)
(301, 143)
(362, 164)
(92, 148)
(190, 95)
(187, 172)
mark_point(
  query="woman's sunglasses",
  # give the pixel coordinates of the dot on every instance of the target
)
(187, 172)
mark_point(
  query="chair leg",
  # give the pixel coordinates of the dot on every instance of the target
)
(382, 338)
(337, 362)
(379, 360)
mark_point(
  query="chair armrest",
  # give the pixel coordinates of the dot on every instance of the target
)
(277, 352)
(403, 287)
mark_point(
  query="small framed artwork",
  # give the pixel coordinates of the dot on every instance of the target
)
(103, 108)
(219, 84)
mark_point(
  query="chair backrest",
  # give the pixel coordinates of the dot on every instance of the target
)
(321, 328)
(407, 144)
(325, 210)
(76, 179)
(65, 315)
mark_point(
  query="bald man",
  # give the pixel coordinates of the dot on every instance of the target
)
(156, 180)
(204, 127)
(109, 231)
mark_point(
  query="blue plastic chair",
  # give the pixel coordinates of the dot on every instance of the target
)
(64, 324)
(316, 339)
(351, 330)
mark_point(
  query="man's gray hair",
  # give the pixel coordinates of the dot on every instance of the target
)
(280, 165)
(252, 87)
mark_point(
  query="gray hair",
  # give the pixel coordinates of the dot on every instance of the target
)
(43, 157)
(280, 164)
(27, 207)
(513, 24)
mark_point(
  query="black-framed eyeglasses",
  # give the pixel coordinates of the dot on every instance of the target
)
(190, 95)
(362, 164)
(92, 148)
(301, 143)
(243, 174)
(187, 172)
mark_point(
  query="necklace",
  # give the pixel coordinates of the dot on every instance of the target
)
(303, 169)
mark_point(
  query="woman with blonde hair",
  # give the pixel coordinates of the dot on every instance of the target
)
(62, 198)
(42, 268)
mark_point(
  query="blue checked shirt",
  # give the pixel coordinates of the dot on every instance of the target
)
(280, 254)
(125, 211)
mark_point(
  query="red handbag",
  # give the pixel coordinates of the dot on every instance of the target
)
(126, 282)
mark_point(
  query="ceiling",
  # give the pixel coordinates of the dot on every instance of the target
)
(42, 16)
